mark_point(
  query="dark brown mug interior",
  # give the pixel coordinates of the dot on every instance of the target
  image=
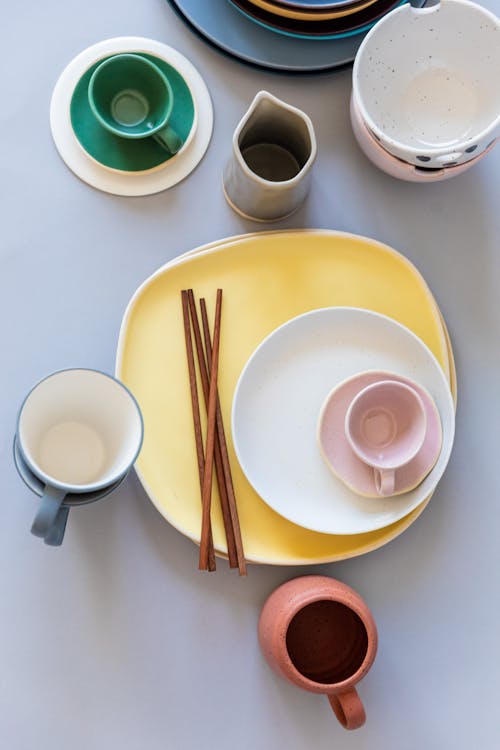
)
(326, 642)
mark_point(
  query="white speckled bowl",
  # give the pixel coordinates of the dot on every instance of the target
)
(393, 166)
(426, 82)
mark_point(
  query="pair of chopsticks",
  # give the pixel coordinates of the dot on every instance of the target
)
(215, 452)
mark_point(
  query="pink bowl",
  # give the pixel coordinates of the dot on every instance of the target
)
(393, 166)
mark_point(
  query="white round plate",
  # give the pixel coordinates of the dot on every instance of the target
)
(129, 183)
(278, 400)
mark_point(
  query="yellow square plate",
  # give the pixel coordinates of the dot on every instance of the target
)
(267, 279)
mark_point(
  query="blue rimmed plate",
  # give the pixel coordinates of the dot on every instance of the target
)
(314, 4)
(225, 28)
(334, 28)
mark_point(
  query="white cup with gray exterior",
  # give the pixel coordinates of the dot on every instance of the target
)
(426, 82)
(79, 432)
(268, 174)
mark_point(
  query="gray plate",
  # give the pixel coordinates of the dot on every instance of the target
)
(315, 4)
(221, 24)
(224, 27)
(36, 486)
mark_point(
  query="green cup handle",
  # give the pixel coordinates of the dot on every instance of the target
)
(168, 138)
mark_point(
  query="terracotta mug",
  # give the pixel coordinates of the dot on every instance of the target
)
(319, 635)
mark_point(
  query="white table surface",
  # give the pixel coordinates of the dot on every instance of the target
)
(115, 640)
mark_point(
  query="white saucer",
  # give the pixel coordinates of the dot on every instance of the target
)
(131, 183)
(277, 404)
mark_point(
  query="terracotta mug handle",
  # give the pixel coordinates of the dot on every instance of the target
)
(348, 708)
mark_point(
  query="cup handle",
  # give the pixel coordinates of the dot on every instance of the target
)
(348, 709)
(385, 481)
(169, 139)
(50, 503)
(55, 534)
(426, 6)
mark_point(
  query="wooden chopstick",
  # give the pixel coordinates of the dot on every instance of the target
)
(210, 441)
(219, 470)
(221, 437)
(211, 565)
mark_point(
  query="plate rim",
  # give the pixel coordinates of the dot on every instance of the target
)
(144, 170)
(347, 7)
(216, 245)
(357, 30)
(314, 6)
(213, 247)
(350, 46)
(446, 450)
(275, 67)
(109, 180)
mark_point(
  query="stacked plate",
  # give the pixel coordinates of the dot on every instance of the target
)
(129, 166)
(399, 168)
(420, 117)
(312, 36)
(277, 406)
(315, 20)
(359, 306)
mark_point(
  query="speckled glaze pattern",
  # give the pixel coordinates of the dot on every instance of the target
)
(397, 168)
(425, 81)
(278, 612)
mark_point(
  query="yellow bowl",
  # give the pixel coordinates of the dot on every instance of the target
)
(312, 15)
(267, 278)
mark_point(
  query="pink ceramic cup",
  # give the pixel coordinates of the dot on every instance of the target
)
(385, 426)
(319, 634)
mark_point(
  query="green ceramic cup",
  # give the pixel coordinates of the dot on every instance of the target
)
(132, 98)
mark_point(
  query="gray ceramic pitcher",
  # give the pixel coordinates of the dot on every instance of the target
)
(269, 171)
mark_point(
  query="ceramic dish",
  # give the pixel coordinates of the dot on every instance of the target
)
(109, 180)
(38, 487)
(426, 82)
(229, 31)
(312, 14)
(313, 4)
(343, 461)
(447, 361)
(131, 155)
(341, 269)
(393, 166)
(334, 28)
(278, 400)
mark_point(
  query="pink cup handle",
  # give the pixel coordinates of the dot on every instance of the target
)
(385, 481)
(348, 709)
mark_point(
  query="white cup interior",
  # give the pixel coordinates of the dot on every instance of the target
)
(429, 78)
(80, 429)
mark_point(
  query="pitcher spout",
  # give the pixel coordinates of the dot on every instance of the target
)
(274, 148)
